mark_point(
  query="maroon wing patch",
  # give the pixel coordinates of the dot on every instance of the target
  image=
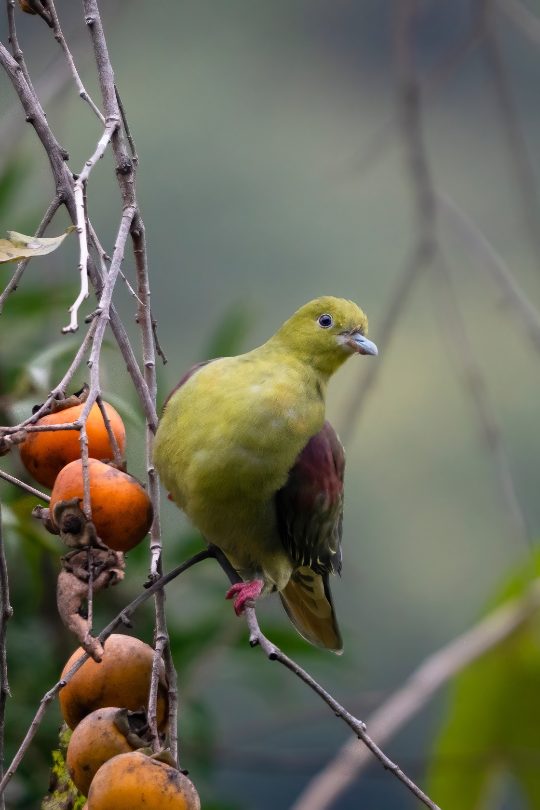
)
(310, 505)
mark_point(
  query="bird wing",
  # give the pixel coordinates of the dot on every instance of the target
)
(310, 505)
(310, 522)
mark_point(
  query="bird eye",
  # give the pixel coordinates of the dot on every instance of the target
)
(326, 321)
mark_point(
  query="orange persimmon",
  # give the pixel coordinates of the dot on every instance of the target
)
(122, 679)
(45, 454)
(121, 510)
(138, 782)
(96, 739)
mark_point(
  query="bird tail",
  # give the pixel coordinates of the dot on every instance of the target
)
(308, 602)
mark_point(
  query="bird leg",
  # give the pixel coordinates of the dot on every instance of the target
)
(244, 591)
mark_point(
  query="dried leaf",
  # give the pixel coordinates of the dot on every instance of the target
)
(20, 246)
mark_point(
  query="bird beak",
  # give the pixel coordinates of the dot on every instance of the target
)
(361, 344)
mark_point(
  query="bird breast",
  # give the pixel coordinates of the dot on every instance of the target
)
(239, 427)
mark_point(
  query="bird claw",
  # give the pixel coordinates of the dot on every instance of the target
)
(244, 592)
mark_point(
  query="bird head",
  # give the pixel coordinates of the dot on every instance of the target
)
(325, 332)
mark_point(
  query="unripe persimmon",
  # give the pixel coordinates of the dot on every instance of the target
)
(121, 510)
(96, 739)
(45, 454)
(138, 782)
(121, 679)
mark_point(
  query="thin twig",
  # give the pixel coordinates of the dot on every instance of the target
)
(104, 258)
(172, 691)
(157, 344)
(26, 487)
(522, 19)
(461, 347)
(431, 87)
(6, 612)
(64, 185)
(78, 191)
(90, 597)
(110, 432)
(125, 172)
(387, 324)
(16, 48)
(515, 137)
(425, 248)
(122, 618)
(493, 263)
(21, 267)
(161, 640)
(256, 637)
(59, 37)
(340, 773)
(127, 130)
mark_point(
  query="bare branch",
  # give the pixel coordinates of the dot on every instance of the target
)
(172, 681)
(26, 487)
(425, 249)
(324, 790)
(515, 137)
(36, 117)
(56, 393)
(125, 171)
(473, 378)
(110, 432)
(256, 638)
(6, 612)
(81, 220)
(15, 47)
(493, 264)
(430, 86)
(122, 618)
(58, 35)
(125, 124)
(522, 19)
(161, 641)
(274, 654)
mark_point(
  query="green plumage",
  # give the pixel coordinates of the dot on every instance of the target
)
(233, 431)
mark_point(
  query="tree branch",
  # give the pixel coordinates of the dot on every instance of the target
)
(273, 653)
(26, 487)
(515, 137)
(122, 618)
(59, 37)
(78, 192)
(340, 773)
(474, 382)
(6, 612)
(493, 263)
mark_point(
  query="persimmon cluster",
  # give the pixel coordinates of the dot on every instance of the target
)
(110, 757)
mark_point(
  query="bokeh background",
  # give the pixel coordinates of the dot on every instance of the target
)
(273, 169)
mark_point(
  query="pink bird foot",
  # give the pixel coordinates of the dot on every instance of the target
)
(243, 592)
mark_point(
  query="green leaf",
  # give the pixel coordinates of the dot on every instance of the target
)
(493, 721)
(20, 246)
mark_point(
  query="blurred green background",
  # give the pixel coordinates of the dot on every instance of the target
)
(260, 189)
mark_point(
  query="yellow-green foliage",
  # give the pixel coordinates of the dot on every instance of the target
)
(63, 793)
(491, 733)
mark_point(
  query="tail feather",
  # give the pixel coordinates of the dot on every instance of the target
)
(308, 602)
